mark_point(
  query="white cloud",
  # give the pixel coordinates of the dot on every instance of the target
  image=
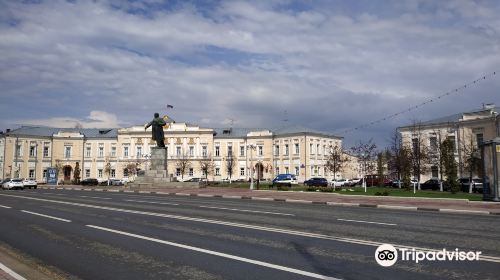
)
(96, 119)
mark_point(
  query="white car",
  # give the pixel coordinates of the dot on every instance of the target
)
(339, 183)
(10, 184)
(29, 183)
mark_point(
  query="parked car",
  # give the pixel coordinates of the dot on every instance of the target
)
(354, 181)
(316, 182)
(477, 184)
(89, 182)
(10, 184)
(30, 183)
(433, 184)
(395, 183)
(116, 182)
(284, 180)
(340, 183)
(376, 180)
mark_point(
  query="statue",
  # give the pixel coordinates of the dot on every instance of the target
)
(157, 130)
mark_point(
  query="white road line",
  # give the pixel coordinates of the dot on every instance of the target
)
(238, 225)
(151, 202)
(251, 211)
(94, 197)
(219, 254)
(46, 216)
(11, 272)
(3, 206)
(366, 222)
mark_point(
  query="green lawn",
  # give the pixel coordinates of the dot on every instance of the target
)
(375, 191)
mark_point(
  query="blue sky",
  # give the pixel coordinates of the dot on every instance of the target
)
(332, 65)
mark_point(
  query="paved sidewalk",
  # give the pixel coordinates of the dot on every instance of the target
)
(389, 202)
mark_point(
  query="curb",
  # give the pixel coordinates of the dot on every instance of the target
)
(328, 203)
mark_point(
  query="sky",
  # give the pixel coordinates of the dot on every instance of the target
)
(326, 65)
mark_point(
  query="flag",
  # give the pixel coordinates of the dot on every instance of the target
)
(170, 106)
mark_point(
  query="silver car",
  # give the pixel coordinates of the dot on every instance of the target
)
(10, 184)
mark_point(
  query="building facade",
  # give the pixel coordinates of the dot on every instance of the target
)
(466, 130)
(235, 153)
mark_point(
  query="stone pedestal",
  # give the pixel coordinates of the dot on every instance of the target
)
(157, 175)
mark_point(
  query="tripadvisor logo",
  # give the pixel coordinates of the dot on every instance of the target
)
(387, 255)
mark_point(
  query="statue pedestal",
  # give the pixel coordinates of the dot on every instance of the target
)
(157, 175)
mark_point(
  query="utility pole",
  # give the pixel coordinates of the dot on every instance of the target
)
(251, 147)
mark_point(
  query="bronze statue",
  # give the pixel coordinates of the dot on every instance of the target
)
(157, 130)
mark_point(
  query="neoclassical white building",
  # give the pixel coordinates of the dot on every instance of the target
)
(101, 153)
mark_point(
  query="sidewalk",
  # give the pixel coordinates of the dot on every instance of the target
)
(389, 202)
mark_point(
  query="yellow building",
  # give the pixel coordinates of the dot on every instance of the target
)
(466, 130)
(113, 153)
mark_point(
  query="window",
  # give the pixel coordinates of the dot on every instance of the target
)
(261, 151)
(177, 172)
(277, 150)
(297, 148)
(87, 151)
(286, 149)
(44, 173)
(67, 152)
(479, 140)
(317, 149)
(125, 172)
(87, 173)
(434, 171)
(433, 144)
(296, 170)
(286, 169)
(45, 151)
(113, 173)
(277, 170)
(32, 152)
(18, 150)
(31, 173)
(99, 173)
(191, 172)
(125, 152)
(242, 171)
(113, 151)
(139, 151)
(204, 151)
(217, 151)
(101, 152)
(415, 144)
(178, 151)
(217, 171)
(229, 150)
(242, 151)
(191, 151)
(452, 140)
(311, 149)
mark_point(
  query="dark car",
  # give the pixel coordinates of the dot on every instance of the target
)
(316, 182)
(89, 182)
(284, 180)
(433, 184)
(477, 184)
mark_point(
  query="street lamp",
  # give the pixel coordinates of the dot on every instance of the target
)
(490, 154)
(251, 147)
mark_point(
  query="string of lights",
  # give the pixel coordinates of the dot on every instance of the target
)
(414, 107)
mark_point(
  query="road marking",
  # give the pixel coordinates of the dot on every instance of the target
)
(46, 216)
(261, 228)
(11, 272)
(94, 197)
(251, 211)
(366, 222)
(3, 206)
(151, 202)
(219, 254)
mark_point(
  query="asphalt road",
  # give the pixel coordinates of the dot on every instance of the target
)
(102, 235)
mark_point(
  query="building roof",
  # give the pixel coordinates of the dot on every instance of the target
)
(298, 129)
(233, 132)
(455, 117)
(45, 131)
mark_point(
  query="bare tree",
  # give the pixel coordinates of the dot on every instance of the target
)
(336, 160)
(230, 164)
(366, 154)
(183, 163)
(450, 165)
(471, 160)
(419, 152)
(206, 165)
(76, 173)
(107, 168)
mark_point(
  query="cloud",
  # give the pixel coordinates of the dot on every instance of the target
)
(332, 66)
(96, 119)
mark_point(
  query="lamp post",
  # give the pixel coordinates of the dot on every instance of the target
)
(490, 154)
(251, 147)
